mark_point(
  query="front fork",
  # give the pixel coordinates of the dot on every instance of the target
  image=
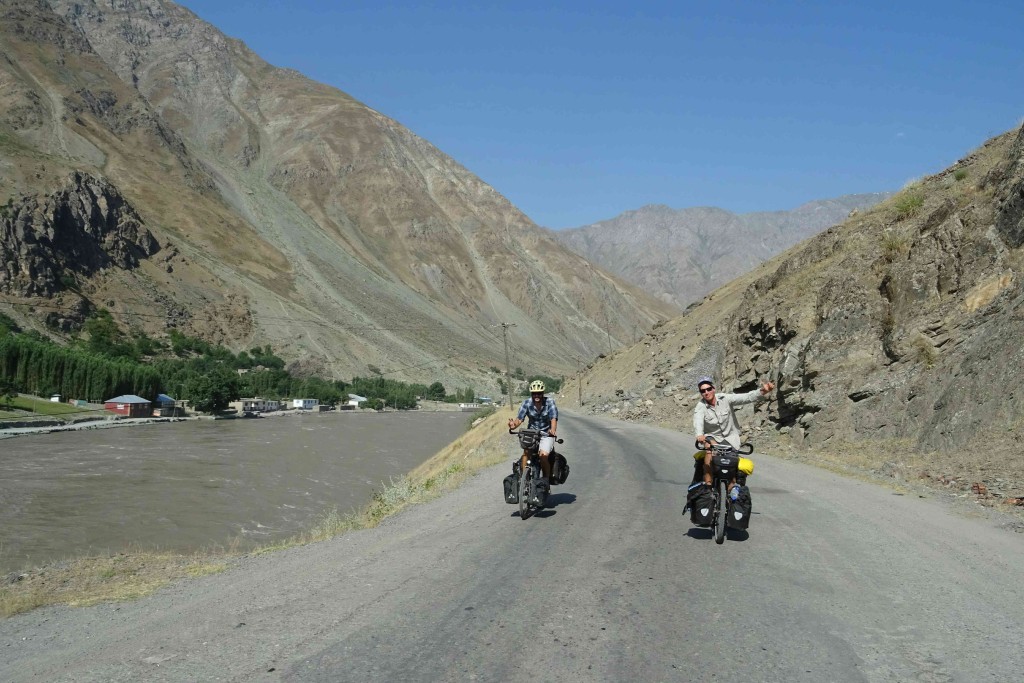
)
(545, 464)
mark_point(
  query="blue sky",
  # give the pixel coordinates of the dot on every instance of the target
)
(580, 110)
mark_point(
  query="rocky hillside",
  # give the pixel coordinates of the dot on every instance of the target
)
(679, 255)
(894, 338)
(265, 208)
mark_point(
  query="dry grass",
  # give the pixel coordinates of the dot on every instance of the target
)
(926, 353)
(130, 575)
(866, 461)
(91, 580)
(894, 246)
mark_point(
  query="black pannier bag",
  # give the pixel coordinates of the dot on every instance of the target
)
(700, 500)
(559, 469)
(739, 510)
(539, 492)
(511, 484)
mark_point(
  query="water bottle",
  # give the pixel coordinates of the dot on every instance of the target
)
(734, 493)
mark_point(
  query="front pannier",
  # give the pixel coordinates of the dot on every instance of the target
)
(511, 484)
(739, 510)
(699, 499)
(539, 493)
(559, 469)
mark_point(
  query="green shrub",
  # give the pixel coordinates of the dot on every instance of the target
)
(960, 173)
(908, 204)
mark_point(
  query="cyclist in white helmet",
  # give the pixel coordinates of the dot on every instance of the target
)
(543, 415)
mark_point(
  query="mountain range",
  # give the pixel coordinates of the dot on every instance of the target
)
(679, 255)
(156, 168)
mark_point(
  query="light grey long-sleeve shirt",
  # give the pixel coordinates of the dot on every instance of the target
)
(719, 421)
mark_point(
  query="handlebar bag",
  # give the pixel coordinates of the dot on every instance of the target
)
(739, 510)
(700, 500)
(528, 439)
(511, 484)
(559, 468)
(725, 466)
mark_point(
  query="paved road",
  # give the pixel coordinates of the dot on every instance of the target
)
(838, 580)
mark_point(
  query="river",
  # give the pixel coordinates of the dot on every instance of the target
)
(192, 485)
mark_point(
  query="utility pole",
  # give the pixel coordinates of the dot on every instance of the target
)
(508, 372)
(579, 379)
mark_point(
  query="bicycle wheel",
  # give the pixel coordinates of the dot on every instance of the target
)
(721, 509)
(524, 491)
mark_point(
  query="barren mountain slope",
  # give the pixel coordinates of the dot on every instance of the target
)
(324, 228)
(893, 338)
(679, 255)
(62, 109)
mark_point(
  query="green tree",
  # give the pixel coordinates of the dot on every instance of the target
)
(435, 392)
(212, 392)
(103, 332)
(8, 392)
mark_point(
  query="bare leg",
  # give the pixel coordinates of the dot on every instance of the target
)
(545, 466)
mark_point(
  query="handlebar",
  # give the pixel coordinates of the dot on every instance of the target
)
(539, 431)
(722, 447)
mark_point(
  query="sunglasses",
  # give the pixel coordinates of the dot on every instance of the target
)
(707, 390)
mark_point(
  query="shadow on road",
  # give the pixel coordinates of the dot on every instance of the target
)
(542, 514)
(705, 534)
(556, 499)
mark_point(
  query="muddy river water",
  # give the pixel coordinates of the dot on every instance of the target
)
(200, 484)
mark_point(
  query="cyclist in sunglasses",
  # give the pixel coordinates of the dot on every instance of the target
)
(714, 417)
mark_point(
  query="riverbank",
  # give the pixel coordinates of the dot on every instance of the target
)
(46, 425)
(131, 574)
(104, 422)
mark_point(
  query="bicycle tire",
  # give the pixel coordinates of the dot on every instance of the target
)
(525, 475)
(721, 510)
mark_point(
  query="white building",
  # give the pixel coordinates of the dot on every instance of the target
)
(354, 400)
(259, 405)
(305, 403)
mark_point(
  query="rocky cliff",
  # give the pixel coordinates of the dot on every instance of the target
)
(893, 338)
(290, 213)
(46, 242)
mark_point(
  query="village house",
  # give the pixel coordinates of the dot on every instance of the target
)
(129, 405)
(305, 403)
(255, 405)
(166, 406)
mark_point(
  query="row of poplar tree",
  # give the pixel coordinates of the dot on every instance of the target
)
(185, 368)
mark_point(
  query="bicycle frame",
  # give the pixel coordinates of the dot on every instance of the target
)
(724, 470)
(530, 471)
